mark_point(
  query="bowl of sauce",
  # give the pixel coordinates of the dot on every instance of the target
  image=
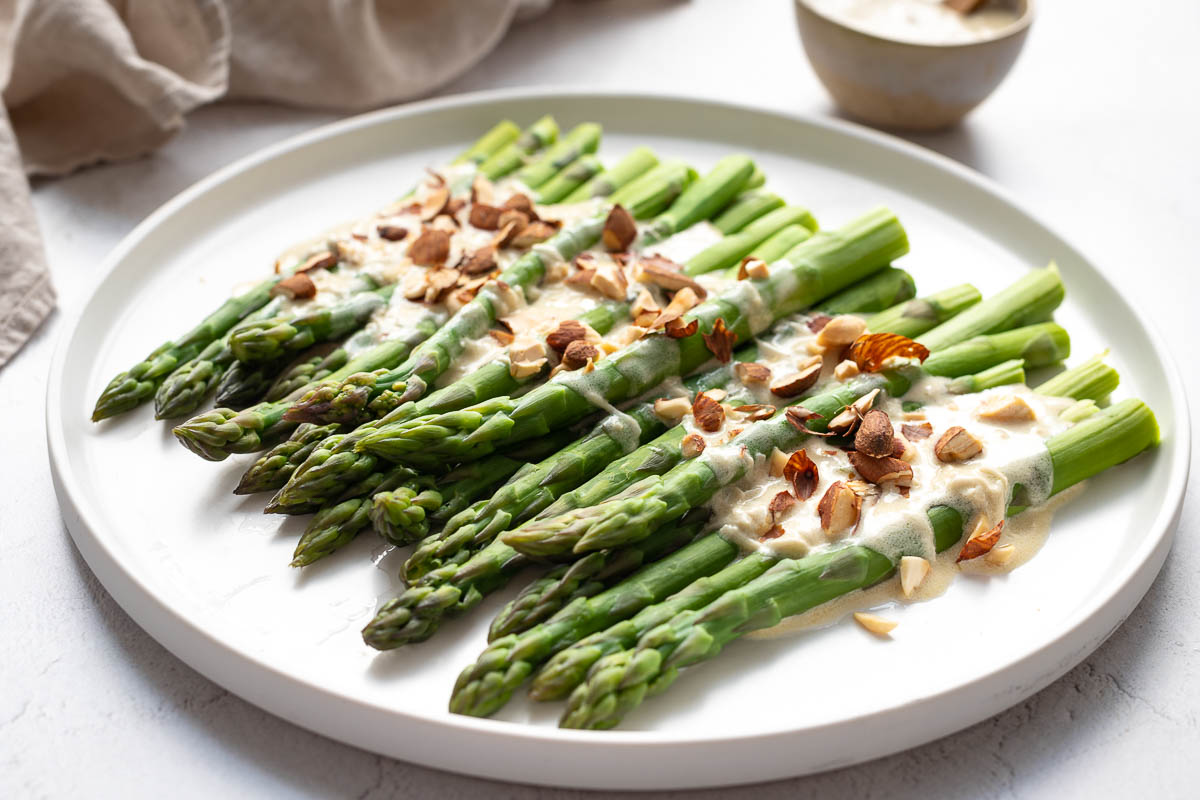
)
(912, 64)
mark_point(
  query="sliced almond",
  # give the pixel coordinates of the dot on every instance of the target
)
(526, 369)
(875, 352)
(431, 248)
(913, 570)
(720, 342)
(717, 394)
(981, 541)
(776, 463)
(845, 370)
(773, 532)
(875, 435)
(485, 217)
(512, 216)
(839, 509)
(841, 331)
(482, 191)
(956, 445)
(533, 233)
(322, 260)
(750, 373)
(481, 261)
(393, 233)
(1000, 555)
(797, 383)
(438, 282)
(844, 423)
(521, 202)
(434, 203)
(672, 409)
(753, 412)
(915, 433)
(507, 231)
(692, 445)
(666, 274)
(295, 287)
(502, 336)
(678, 329)
(644, 303)
(752, 268)
(875, 624)
(882, 470)
(579, 353)
(780, 504)
(801, 472)
(619, 229)
(632, 333)
(683, 301)
(708, 413)
(1005, 408)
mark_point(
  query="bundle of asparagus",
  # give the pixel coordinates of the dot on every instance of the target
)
(694, 411)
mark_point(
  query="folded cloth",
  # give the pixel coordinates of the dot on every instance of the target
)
(86, 81)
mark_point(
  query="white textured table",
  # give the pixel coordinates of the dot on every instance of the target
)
(1096, 130)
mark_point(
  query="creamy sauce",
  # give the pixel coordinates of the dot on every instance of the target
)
(920, 21)
(688, 243)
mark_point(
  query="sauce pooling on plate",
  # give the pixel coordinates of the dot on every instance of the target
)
(920, 21)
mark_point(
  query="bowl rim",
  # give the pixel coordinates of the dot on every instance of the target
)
(1018, 27)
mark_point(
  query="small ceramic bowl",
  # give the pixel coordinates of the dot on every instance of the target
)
(906, 85)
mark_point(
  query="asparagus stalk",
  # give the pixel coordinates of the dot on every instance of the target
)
(914, 317)
(570, 178)
(316, 367)
(813, 270)
(243, 384)
(512, 156)
(746, 208)
(619, 682)
(580, 140)
(272, 339)
(140, 382)
(639, 161)
(500, 136)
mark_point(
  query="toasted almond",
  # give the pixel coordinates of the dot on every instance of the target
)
(1000, 555)
(882, 470)
(521, 202)
(956, 445)
(1005, 408)
(631, 333)
(482, 191)
(874, 352)
(485, 217)
(533, 233)
(444, 223)
(844, 423)
(644, 303)
(773, 532)
(720, 342)
(801, 472)
(915, 433)
(526, 369)
(692, 445)
(841, 331)
(756, 411)
(481, 261)
(981, 541)
(322, 260)
(875, 435)
(708, 413)
(438, 282)
(751, 373)
(913, 570)
(752, 267)
(776, 462)
(579, 353)
(900, 449)
(666, 274)
(683, 301)
(434, 203)
(431, 248)
(717, 394)
(797, 383)
(556, 272)
(610, 281)
(512, 216)
(780, 504)
(875, 624)
(393, 233)
(502, 336)
(619, 229)
(845, 370)
(817, 321)
(505, 234)
(569, 330)
(526, 348)
(678, 329)
(297, 286)
(839, 509)
(672, 409)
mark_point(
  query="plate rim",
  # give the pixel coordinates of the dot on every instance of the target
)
(173, 630)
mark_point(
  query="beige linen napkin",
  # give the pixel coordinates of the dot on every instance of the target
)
(86, 81)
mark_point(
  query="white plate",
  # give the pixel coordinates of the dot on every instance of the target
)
(207, 575)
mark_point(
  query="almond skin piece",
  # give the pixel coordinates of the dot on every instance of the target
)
(915, 433)
(801, 471)
(393, 233)
(798, 383)
(692, 445)
(780, 504)
(957, 445)
(579, 353)
(720, 341)
(321, 260)
(619, 230)
(839, 509)
(298, 286)
(668, 275)
(841, 331)
(481, 261)
(756, 411)
(708, 413)
(874, 437)
(873, 352)
(882, 470)
(981, 541)
(431, 248)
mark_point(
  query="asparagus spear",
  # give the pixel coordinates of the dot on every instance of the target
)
(319, 365)
(512, 156)
(489, 683)
(570, 178)
(639, 161)
(813, 270)
(348, 402)
(243, 384)
(914, 317)
(272, 339)
(141, 381)
(619, 682)
(580, 140)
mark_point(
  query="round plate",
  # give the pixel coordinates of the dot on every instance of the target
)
(206, 574)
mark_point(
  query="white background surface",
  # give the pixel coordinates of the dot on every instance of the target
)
(1095, 130)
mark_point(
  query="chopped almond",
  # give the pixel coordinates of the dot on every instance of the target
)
(393, 233)
(485, 216)
(845, 370)
(296, 287)
(839, 509)
(756, 411)
(720, 341)
(431, 248)
(780, 504)
(913, 570)
(957, 445)
(1005, 408)
(773, 532)
(482, 191)
(568, 331)
(882, 470)
(672, 409)
(533, 233)
(817, 321)
(666, 274)
(797, 383)
(915, 433)
(526, 369)
(981, 541)
(505, 234)
(522, 203)
(692, 445)
(502, 336)
(321, 260)
(677, 329)
(752, 268)
(841, 331)
(875, 624)
(777, 462)
(644, 303)
(528, 349)
(610, 281)
(717, 394)
(750, 373)
(683, 301)
(708, 413)
(481, 261)
(619, 229)
(875, 435)
(434, 203)
(874, 352)
(579, 353)
(1000, 555)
